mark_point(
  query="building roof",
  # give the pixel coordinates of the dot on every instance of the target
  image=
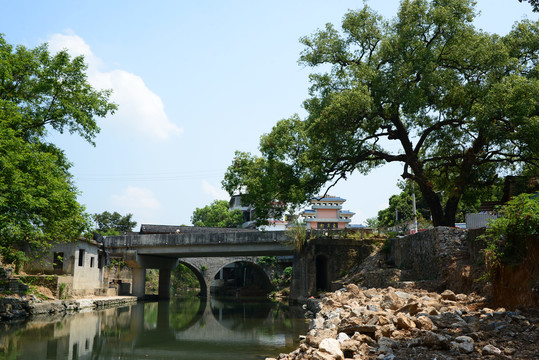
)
(328, 198)
(347, 212)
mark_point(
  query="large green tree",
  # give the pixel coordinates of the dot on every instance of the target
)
(533, 3)
(217, 214)
(453, 104)
(39, 93)
(113, 223)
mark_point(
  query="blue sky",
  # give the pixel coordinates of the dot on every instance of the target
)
(195, 81)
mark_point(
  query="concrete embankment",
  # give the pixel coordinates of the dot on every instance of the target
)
(13, 308)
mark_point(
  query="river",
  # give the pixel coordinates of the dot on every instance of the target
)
(185, 328)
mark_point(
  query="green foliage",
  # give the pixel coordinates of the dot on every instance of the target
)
(298, 233)
(267, 260)
(509, 237)
(183, 278)
(113, 223)
(287, 272)
(217, 214)
(403, 204)
(454, 105)
(119, 262)
(40, 92)
(62, 291)
(533, 3)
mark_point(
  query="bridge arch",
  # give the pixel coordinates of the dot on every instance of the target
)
(198, 272)
(243, 277)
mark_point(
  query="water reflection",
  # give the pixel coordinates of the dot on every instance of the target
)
(189, 328)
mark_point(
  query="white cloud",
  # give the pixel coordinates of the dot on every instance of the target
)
(214, 192)
(140, 202)
(140, 109)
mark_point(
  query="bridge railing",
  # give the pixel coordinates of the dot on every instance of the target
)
(347, 233)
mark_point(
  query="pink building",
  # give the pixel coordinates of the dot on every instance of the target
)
(327, 213)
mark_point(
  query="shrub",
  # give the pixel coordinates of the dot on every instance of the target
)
(508, 237)
(267, 260)
(287, 272)
(512, 252)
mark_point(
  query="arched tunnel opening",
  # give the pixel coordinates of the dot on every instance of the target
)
(186, 280)
(241, 279)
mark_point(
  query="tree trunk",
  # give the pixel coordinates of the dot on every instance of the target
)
(435, 207)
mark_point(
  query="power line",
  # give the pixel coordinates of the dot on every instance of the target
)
(154, 176)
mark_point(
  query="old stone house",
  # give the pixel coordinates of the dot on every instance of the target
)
(79, 267)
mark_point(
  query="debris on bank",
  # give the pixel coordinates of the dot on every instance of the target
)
(386, 324)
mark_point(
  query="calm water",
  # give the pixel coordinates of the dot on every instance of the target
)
(190, 328)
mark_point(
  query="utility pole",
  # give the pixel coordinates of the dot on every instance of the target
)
(415, 213)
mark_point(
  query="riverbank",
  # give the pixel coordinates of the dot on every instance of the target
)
(15, 307)
(361, 323)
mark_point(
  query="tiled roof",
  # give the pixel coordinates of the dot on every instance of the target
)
(329, 198)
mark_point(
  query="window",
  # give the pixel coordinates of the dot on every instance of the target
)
(92, 259)
(58, 260)
(81, 257)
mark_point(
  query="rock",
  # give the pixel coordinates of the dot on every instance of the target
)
(464, 339)
(411, 308)
(463, 347)
(85, 303)
(386, 357)
(351, 346)
(404, 323)
(333, 320)
(317, 323)
(448, 320)
(423, 322)
(404, 295)
(321, 355)
(341, 337)
(48, 307)
(363, 329)
(449, 295)
(332, 347)
(355, 324)
(353, 289)
(315, 336)
(362, 338)
(386, 330)
(386, 345)
(431, 311)
(391, 301)
(491, 350)
(434, 340)
(313, 305)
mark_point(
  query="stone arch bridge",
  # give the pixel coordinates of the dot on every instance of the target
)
(319, 264)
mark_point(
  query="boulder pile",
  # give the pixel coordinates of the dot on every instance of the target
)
(359, 323)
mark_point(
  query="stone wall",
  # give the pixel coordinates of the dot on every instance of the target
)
(436, 259)
(338, 257)
(426, 254)
(450, 258)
